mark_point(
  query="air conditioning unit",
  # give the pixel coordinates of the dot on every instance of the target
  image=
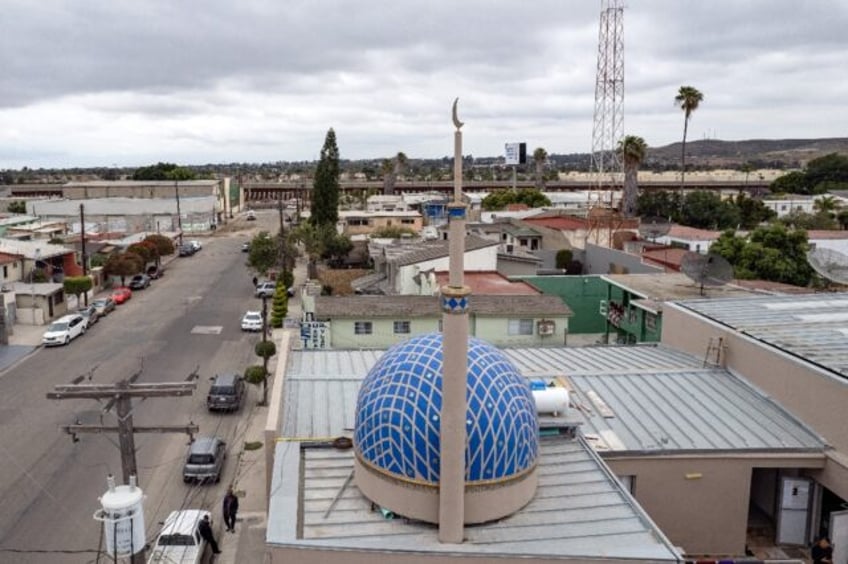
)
(603, 308)
(546, 328)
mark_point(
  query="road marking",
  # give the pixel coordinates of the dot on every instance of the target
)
(207, 329)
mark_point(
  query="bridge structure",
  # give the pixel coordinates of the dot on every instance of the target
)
(301, 190)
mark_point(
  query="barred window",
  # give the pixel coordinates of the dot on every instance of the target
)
(362, 328)
(401, 327)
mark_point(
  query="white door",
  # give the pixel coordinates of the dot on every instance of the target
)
(794, 511)
(839, 536)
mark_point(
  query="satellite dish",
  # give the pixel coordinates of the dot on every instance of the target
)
(832, 265)
(706, 270)
(653, 227)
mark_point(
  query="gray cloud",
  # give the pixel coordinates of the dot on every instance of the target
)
(131, 82)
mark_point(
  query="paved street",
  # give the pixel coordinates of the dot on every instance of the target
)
(189, 319)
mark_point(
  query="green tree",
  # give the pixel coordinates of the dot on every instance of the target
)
(825, 173)
(662, 203)
(706, 210)
(336, 245)
(163, 171)
(798, 219)
(632, 150)
(263, 252)
(77, 285)
(265, 350)
(123, 265)
(752, 212)
(688, 99)
(767, 253)
(540, 157)
(325, 193)
(279, 305)
(256, 375)
(392, 232)
(563, 257)
(500, 199)
(827, 205)
(793, 183)
(16, 207)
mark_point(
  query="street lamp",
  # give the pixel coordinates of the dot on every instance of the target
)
(36, 258)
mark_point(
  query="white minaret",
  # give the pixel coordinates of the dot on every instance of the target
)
(455, 301)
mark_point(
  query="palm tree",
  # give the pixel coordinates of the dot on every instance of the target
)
(826, 205)
(632, 150)
(540, 157)
(388, 171)
(688, 99)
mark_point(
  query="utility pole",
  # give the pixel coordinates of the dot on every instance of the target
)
(82, 240)
(179, 213)
(121, 395)
(283, 257)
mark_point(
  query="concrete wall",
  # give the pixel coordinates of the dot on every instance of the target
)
(700, 502)
(812, 394)
(603, 260)
(485, 259)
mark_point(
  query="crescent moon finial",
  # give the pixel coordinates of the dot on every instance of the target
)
(456, 121)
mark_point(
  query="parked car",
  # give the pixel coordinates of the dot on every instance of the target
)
(205, 460)
(250, 215)
(179, 541)
(251, 321)
(64, 330)
(139, 282)
(195, 245)
(90, 314)
(154, 273)
(121, 294)
(265, 289)
(104, 306)
(245, 247)
(226, 393)
(186, 250)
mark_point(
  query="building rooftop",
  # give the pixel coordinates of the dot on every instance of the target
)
(29, 249)
(133, 183)
(812, 327)
(579, 511)
(491, 282)
(692, 233)
(428, 306)
(122, 206)
(421, 251)
(672, 286)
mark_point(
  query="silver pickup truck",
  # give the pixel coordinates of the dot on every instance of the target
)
(180, 542)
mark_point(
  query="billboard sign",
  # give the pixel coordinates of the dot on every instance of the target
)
(515, 153)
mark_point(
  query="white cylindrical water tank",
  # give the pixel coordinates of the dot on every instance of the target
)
(123, 518)
(551, 400)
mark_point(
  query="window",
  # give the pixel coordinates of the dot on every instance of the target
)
(408, 221)
(520, 327)
(5, 272)
(650, 322)
(362, 328)
(401, 327)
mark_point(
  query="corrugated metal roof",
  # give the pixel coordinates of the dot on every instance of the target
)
(811, 326)
(579, 511)
(685, 411)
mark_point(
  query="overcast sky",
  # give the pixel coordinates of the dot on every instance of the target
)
(128, 83)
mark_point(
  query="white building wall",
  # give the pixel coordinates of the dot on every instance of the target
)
(695, 245)
(839, 245)
(787, 206)
(479, 260)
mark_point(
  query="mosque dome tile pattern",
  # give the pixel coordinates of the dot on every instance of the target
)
(398, 414)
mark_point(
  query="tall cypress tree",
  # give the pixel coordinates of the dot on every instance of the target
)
(325, 193)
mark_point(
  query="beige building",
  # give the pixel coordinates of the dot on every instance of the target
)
(368, 222)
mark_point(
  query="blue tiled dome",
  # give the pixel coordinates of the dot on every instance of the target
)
(398, 413)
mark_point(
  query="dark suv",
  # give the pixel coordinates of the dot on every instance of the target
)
(226, 393)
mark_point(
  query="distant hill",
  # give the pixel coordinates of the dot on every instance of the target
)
(760, 153)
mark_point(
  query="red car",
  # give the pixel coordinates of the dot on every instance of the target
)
(121, 294)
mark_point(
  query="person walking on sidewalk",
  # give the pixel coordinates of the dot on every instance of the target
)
(205, 530)
(230, 510)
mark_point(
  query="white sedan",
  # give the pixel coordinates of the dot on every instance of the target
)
(252, 321)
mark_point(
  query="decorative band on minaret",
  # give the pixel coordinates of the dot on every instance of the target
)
(455, 300)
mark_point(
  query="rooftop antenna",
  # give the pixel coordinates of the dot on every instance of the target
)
(831, 265)
(706, 270)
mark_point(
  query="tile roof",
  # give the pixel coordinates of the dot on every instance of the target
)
(335, 307)
(429, 250)
(558, 222)
(490, 283)
(692, 233)
(813, 234)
